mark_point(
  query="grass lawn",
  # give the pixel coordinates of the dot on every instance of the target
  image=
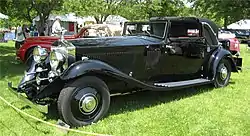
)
(194, 111)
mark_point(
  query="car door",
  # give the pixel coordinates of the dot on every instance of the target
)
(182, 55)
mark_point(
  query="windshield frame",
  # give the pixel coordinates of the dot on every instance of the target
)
(165, 29)
(146, 23)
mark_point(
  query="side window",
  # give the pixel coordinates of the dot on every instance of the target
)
(136, 28)
(184, 29)
(210, 37)
(158, 29)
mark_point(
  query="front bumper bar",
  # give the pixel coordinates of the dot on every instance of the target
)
(18, 94)
(15, 91)
(32, 104)
(238, 63)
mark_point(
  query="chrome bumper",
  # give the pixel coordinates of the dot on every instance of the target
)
(16, 92)
(238, 63)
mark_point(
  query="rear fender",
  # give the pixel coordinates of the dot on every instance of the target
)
(216, 57)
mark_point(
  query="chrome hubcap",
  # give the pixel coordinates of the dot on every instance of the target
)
(223, 72)
(88, 103)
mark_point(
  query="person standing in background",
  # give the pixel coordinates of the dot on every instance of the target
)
(56, 27)
(26, 31)
(20, 37)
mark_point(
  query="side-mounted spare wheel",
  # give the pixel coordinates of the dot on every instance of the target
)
(223, 73)
(84, 101)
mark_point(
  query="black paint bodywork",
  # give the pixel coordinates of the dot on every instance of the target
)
(147, 59)
(138, 62)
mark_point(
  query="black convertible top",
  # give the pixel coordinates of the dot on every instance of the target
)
(211, 23)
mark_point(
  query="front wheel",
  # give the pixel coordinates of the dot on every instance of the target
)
(223, 73)
(84, 101)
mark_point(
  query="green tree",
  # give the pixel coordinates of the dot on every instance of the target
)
(26, 10)
(144, 9)
(43, 8)
(226, 11)
(18, 12)
(130, 9)
(100, 9)
(166, 8)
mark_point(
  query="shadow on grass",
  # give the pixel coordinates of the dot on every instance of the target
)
(33, 126)
(232, 82)
(140, 100)
(8, 128)
(52, 112)
(6, 49)
(8, 65)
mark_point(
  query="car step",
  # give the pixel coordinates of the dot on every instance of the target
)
(184, 83)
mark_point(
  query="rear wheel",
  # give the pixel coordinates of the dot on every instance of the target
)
(84, 101)
(223, 73)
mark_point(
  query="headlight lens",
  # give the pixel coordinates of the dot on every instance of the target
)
(39, 54)
(56, 59)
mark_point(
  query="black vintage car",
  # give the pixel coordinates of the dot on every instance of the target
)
(169, 53)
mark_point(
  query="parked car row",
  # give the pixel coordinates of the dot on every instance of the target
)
(163, 54)
(241, 34)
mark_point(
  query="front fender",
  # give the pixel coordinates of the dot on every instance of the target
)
(80, 68)
(217, 56)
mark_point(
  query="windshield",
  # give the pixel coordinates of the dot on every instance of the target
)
(156, 29)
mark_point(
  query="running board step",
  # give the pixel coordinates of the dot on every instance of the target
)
(184, 83)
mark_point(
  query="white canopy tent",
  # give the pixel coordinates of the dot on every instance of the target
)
(111, 19)
(86, 19)
(242, 24)
(115, 19)
(64, 18)
(2, 16)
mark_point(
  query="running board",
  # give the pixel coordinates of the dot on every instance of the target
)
(185, 83)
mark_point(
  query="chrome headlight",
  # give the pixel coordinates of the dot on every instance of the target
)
(39, 54)
(57, 59)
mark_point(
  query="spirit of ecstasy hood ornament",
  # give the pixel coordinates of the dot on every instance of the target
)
(62, 34)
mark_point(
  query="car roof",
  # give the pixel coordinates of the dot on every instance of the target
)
(211, 23)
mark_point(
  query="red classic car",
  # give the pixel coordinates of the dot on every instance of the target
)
(230, 42)
(44, 41)
(25, 51)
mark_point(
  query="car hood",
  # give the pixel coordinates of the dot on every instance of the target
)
(116, 41)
